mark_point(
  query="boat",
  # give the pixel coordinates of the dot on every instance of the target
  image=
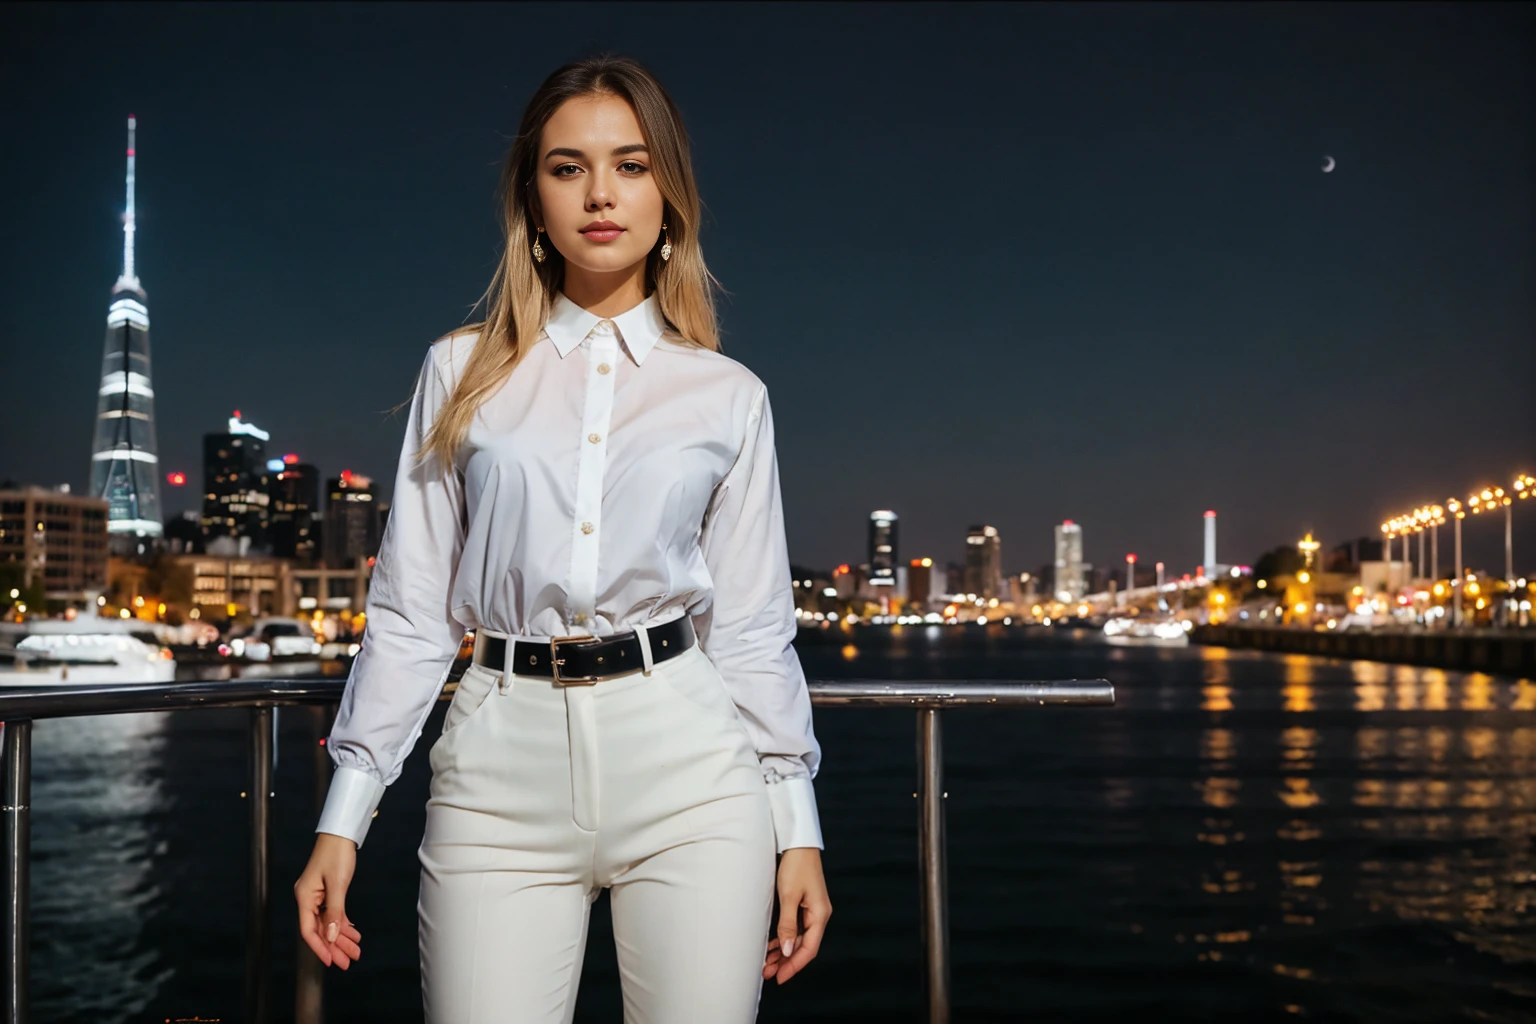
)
(1128, 632)
(82, 649)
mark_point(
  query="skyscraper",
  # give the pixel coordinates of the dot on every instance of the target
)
(984, 562)
(236, 498)
(294, 509)
(882, 548)
(1070, 582)
(351, 534)
(125, 464)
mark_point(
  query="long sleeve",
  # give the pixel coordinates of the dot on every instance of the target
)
(749, 627)
(411, 636)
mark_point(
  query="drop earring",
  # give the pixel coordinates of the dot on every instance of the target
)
(666, 245)
(538, 250)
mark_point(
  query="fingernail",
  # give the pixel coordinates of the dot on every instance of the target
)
(330, 932)
(789, 946)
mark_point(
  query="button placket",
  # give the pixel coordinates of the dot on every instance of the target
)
(597, 410)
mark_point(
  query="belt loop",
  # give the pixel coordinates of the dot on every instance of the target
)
(508, 649)
(645, 647)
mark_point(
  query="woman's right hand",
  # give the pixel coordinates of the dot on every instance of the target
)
(321, 892)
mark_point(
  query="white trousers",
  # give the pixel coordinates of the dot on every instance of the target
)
(544, 794)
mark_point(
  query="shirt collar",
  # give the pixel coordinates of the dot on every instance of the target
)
(639, 327)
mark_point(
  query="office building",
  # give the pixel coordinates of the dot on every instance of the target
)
(236, 496)
(59, 539)
(351, 534)
(125, 461)
(294, 509)
(983, 562)
(1071, 581)
(882, 548)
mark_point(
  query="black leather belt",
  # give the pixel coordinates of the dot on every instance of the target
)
(585, 659)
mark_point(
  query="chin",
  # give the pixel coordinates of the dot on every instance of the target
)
(606, 262)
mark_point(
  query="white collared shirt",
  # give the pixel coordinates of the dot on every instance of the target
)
(618, 476)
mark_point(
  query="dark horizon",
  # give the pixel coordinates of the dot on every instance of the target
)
(996, 264)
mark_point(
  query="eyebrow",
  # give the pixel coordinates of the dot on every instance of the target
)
(635, 147)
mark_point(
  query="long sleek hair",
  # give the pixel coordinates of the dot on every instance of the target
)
(518, 301)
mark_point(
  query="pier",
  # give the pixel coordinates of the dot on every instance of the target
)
(1512, 652)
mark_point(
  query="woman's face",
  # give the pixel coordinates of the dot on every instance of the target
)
(597, 198)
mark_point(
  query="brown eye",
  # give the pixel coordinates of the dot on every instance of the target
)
(630, 167)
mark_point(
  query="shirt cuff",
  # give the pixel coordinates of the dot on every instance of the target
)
(795, 821)
(349, 804)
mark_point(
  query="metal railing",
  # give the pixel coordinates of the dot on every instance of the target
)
(20, 707)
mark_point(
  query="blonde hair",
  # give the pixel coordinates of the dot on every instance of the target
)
(519, 297)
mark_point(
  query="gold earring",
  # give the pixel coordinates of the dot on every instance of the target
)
(538, 250)
(666, 245)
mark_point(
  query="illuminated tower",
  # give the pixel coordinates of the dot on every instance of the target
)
(882, 548)
(1211, 568)
(125, 466)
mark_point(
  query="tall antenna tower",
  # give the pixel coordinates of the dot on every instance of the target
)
(125, 465)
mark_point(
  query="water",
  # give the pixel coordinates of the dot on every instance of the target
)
(1244, 837)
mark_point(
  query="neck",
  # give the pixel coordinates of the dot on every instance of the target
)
(605, 294)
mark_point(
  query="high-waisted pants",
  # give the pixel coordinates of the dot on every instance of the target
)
(544, 794)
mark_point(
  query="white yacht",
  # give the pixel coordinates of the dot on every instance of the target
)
(84, 649)
(1145, 632)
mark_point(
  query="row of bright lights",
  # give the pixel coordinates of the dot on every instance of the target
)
(1486, 500)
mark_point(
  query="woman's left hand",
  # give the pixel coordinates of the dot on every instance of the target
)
(803, 912)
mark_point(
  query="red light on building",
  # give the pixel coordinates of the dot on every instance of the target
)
(237, 414)
(371, 560)
(1130, 558)
(290, 459)
(346, 474)
(1066, 522)
(840, 570)
(176, 479)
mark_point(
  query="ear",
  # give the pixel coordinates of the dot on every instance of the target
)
(533, 205)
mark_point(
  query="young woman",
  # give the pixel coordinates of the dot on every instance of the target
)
(591, 486)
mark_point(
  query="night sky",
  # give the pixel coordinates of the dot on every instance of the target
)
(996, 264)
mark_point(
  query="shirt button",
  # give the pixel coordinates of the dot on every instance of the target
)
(587, 527)
(594, 438)
(603, 367)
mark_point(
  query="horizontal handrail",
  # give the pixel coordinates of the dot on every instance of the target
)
(20, 707)
(85, 699)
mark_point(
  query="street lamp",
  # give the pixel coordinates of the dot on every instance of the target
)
(1488, 499)
(1458, 513)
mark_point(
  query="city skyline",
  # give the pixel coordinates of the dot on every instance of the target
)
(1249, 347)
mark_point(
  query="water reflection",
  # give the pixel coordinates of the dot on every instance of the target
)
(1407, 791)
(95, 876)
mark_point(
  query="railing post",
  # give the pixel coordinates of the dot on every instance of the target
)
(933, 871)
(257, 974)
(18, 869)
(309, 988)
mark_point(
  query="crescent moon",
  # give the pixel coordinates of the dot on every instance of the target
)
(1328, 164)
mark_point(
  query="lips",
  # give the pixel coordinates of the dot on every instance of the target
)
(602, 231)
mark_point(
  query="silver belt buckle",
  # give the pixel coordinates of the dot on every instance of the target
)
(555, 661)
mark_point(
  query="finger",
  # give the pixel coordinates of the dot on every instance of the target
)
(816, 917)
(335, 914)
(341, 959)
(349, 947)
(806, 950)
(309, 931)
(312, 940)
(350, 931)
(788, 933)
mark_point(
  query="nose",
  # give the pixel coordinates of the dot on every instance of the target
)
(599, 193)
